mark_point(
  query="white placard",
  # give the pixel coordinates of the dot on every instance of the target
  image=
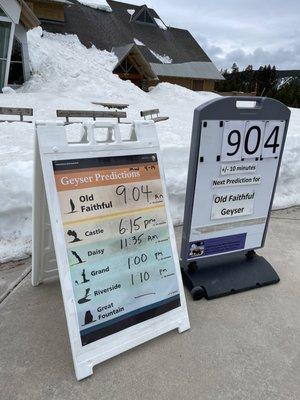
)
(273, 138)
(231, 205)
(250, 140)
(241, 223)
(236, 150)
(238, 168)
(253, 139)
(236, 181)
(233, 138)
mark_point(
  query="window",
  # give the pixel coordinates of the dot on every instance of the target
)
(145, 17)
(126, 67)
(5, 30)
(16, 73)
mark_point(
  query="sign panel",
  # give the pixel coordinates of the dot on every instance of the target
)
(113, 237)
(234, 164)
(117, 236)
(232, 204)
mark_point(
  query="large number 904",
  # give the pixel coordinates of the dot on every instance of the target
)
(253, 144)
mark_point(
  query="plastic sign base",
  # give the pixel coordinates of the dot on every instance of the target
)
(215, 277)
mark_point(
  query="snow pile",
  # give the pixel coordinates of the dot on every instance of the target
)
(66, 75)
(138, 42)
(160, 24)
(288, 189)
(15, 206)
(164, 59)
(98, 4)
(287, 80)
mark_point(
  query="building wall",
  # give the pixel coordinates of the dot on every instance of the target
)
(209, 85)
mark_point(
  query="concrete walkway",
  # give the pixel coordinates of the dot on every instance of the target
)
(245, 346)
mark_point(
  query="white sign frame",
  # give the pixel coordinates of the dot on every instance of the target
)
(50, 145)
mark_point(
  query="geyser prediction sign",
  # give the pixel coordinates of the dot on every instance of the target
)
(114, 241)
(234, 164)
(117, 236)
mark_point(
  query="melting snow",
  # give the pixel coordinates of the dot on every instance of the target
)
(164, 59)
(138, 42)
(160, 24)
(98, 4)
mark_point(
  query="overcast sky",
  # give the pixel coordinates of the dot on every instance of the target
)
(256, 32)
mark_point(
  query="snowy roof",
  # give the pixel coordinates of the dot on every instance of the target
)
(122, 52)
(118, 28)
(97, 4)
(195, 70)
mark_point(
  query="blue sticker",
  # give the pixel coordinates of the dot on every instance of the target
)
(209, 247)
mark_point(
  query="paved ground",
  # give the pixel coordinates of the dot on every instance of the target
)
(245, 346)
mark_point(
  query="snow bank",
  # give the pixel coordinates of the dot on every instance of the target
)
(98, 4)
(131, 11)
(288, 188)
(160, 24)
(138, 42)
(67, 75)
(164, 59)
(15, 206)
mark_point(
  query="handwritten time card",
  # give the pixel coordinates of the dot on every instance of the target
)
(117, 237)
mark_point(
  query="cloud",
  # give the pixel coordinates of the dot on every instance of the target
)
(256, 32)
(282, 58)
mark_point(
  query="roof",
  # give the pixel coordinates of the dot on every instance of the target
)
(117, 29)
(52, 1)
(117, 5)
(122, 52)
(194, 69)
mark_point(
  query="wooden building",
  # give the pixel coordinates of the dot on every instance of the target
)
(148, 51)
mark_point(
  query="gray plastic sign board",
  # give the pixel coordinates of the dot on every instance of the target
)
(235, 156)
(113, 238)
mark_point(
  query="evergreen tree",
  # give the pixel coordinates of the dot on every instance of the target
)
(264, 82)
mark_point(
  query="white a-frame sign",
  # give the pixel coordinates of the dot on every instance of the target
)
(114, 243)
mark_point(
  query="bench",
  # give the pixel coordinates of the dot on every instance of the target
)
(67, 114)
(21, 112)
(151, 113)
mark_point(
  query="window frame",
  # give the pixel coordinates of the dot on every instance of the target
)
(15, 85)
(9, 49)
(145, 9)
